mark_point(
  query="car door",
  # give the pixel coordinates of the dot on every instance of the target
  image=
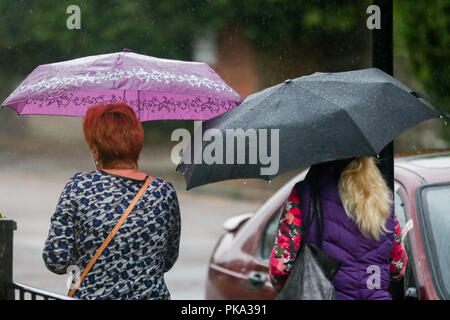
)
(258, 278)
(406, 224)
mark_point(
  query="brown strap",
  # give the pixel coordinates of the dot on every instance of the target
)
(110, 236)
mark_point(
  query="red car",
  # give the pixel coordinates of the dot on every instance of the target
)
(239, 264)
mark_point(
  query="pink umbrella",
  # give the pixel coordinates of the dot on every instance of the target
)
(156, 88)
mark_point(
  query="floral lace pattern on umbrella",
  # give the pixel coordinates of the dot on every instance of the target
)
(154, 104)
(58, 83)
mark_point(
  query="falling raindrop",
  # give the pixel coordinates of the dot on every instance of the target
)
(245, 182)
(378, 156)
(270, 181)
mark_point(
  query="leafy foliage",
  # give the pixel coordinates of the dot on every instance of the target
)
(34, 32)
(423, 37)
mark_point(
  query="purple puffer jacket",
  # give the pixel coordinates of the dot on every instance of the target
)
(364, 273)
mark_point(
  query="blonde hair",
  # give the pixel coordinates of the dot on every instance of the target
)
(365, 196)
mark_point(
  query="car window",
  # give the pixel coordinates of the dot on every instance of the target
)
(399, 210)
(400, 213)
(269, 234)
(435, 204)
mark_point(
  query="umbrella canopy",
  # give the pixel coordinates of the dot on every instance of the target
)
(156, 88)
(315, 118)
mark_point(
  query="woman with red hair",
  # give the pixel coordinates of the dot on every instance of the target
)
(145, 246)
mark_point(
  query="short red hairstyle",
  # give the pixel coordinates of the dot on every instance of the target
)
(116, 133)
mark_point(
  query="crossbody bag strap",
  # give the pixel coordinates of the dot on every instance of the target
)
(315, 210)
(110, 236)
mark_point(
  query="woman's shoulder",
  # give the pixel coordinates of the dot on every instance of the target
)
(162, 183)
(300, 187)
(162, 188)
(81, 177)
(84, 175)
(74, 184)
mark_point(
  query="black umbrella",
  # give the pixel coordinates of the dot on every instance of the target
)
(320, 117)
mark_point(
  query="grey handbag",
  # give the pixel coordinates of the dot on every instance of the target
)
(311, 277)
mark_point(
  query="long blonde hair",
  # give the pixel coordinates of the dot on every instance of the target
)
(365, 196)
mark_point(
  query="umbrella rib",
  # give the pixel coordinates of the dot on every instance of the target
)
(266, 97)
(229, 113)
(388, 79)
(21, 108)
(360, 131)
(346, 112)
(263, 98)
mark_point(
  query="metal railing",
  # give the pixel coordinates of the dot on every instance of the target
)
(24, 292)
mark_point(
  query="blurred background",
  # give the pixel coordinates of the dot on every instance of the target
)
(251, 44)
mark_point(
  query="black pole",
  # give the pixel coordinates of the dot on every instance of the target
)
(7, 228)
(382, 58)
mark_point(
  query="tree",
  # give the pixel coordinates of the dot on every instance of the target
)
(35, 32)
(423, 38)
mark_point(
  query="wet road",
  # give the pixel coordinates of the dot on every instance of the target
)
(29, 190)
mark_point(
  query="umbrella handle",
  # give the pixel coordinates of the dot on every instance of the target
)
(428, 98)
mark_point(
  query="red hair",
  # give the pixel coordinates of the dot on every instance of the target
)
(116, 133)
